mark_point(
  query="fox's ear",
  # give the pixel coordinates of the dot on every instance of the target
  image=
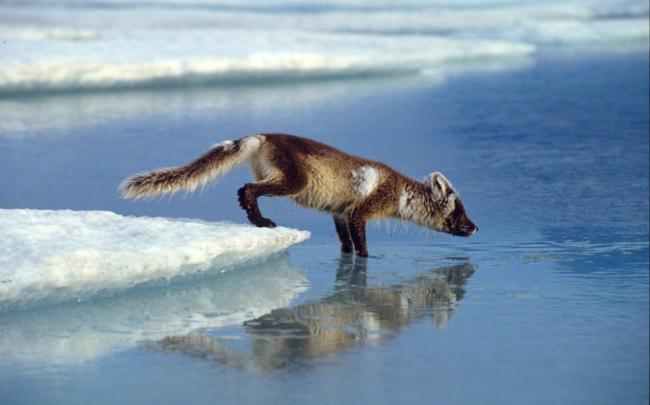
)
(440, 186)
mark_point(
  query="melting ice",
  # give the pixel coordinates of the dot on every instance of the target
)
(69, 44)
(60, 255)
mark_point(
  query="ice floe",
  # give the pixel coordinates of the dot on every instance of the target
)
(61, 255)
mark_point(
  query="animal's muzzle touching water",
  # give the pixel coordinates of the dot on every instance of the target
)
(465, 231)
(458, 224)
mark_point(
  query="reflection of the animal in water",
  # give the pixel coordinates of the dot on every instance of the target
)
(353, 314)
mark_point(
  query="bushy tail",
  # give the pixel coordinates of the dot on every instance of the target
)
(218, 160)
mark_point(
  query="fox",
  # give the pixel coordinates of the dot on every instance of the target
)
(352, 189)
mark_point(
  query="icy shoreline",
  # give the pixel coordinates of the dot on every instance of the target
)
(70, 46)
(63, 255)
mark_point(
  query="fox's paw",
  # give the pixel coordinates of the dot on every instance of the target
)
(264, 223)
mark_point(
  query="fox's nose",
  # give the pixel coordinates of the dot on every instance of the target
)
(474, 230)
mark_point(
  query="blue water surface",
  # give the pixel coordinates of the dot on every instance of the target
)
(548, 303)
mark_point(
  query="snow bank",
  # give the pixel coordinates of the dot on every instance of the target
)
(239, 56)
(63, 255)
(68, 45)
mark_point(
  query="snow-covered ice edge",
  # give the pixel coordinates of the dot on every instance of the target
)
(48, 255)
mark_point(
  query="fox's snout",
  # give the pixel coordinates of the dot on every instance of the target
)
(468, 230)
(458, 223)
(464, 230)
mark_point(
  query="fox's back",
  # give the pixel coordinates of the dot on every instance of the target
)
(335, 179)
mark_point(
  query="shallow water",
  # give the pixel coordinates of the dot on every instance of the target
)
(548, 303)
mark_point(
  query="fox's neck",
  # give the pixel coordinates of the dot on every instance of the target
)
(415, 203)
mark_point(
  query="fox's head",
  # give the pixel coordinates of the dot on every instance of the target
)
(441, 209)
(445, 209)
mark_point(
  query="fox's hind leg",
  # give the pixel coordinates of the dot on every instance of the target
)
(268, 187)
(247, 196)
(341, 224)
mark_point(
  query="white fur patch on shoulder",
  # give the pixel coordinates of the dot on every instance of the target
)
(365, 179)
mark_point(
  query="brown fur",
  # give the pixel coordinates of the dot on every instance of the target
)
(353, 189)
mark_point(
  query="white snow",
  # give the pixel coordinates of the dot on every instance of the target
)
(81, 46)
(62, 255)
(192, 56)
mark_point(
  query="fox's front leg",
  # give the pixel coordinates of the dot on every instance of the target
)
(373, 207)
(357, 228)
(341, 224)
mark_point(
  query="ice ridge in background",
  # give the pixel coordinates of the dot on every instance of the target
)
(73, 45)
(62, 255)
